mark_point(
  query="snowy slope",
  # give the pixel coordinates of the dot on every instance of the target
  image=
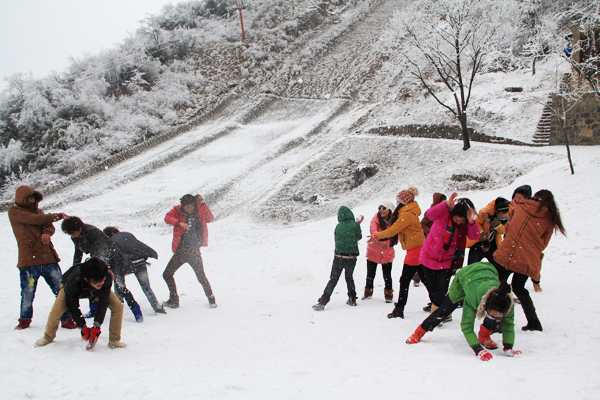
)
(264, 341)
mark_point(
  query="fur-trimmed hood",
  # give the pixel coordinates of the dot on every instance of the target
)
(484, 299)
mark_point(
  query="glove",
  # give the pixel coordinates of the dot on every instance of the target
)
(512, 353)
(85, 333)
(94, 333)
(360, 218)
(484, 355)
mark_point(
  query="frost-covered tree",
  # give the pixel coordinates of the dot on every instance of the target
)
(446, 44)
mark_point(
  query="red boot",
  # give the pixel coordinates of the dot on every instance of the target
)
(23, 324)
(416, 337)
(68, 324)
(485, 339)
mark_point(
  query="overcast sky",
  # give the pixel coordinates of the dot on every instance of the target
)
(39, 36)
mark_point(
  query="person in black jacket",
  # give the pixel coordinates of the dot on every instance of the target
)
(91, 240)
(136, 256)
(89, 280)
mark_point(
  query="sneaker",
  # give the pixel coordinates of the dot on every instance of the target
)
(116, 344)
(427, 308)
(68, 324)
(92, 312)
(23, 324)
(318, 307)
(537, 287)
(351, 301)
(211, 302)
(137, 312)
(42, 342)
(160, 310)
(171, 303)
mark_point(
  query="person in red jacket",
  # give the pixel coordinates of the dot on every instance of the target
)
(190, 231)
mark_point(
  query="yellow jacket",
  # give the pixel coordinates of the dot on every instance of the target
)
(407, 227)
(485, 225)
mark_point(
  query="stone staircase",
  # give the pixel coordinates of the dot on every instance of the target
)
(542, 132)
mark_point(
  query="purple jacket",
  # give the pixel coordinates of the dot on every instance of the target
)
(433, 255)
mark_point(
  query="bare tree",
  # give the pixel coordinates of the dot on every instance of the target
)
(448, 41)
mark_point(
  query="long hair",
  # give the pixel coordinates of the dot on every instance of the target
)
(546, 199)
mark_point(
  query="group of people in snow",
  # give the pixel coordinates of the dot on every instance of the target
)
(511, 236)
(113, 255)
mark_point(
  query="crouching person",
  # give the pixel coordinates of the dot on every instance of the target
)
(478, 286)
(89, 280)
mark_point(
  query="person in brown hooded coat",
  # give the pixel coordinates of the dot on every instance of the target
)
(528, 232)
(37, 258)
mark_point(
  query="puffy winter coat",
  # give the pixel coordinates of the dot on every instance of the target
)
(407, 227)
(29, 223)
(94, 242)
(379, 252)
(176, 216)
(485, 225)
(347, 233)
(433, 255)
(527, 234)
(470, 285)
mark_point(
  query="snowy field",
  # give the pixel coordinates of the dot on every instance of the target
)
(264, 341)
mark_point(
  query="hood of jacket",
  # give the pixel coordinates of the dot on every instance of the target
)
(412, 207)
(533, 208)
(23, 192)
(345, 214)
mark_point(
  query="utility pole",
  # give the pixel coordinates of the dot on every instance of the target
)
(239, 4)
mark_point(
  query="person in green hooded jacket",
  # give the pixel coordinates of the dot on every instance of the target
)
(483, 295)
(347, 235)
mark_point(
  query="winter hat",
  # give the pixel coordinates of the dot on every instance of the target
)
(387, 204)
(525, 190)
(408, 195)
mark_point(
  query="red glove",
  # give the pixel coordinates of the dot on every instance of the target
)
(94, 333)
(484, 355)
(360, 218)
(512, 353)
(85, 333)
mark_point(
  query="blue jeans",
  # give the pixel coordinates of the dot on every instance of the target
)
(29, 279)
(142, 277)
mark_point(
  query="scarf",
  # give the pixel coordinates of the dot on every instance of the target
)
(460, 231)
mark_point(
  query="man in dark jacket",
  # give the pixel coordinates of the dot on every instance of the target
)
(91, 240)
(90, 280)
(37, 258)
(136, 256)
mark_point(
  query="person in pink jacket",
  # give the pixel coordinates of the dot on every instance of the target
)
(444, 248)
(189, 233)
(380, 253)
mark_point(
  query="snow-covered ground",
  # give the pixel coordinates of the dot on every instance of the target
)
(264, 341)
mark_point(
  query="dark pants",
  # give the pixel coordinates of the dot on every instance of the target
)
(192, 256)
(372, 271)
(408, 271)
(447, 307)
(437, 283)
(340, 264)
(117, 265)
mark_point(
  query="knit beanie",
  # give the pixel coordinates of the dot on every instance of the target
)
(387, 204)
(408, 195)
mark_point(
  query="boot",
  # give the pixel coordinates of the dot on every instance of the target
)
(537, 287)
(533, 323)
(416, 279)
(116, 345)
(322, 302)
(212, 302)
(368, 293)
(351, 299)
(137, 313)
(485, 339)
(173, 302)
(389, 295)
(68, 324)
(397, 313)
(23, 324)
(416, 337)
(42, 342)
(160, 310)
(427, 308)
(92, 312)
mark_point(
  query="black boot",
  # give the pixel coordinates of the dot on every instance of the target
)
(397, 313)
(322, 302)
(533, 323)
(351, 299)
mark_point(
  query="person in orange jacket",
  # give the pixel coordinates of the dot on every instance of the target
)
(190, 231)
